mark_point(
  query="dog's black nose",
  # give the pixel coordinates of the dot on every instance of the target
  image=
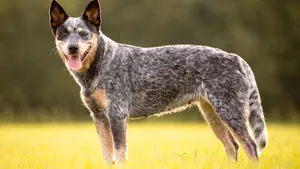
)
(73, 48)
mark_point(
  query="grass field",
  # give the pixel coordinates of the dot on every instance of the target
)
(151, 146)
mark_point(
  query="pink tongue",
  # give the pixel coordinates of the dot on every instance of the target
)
(74, 63)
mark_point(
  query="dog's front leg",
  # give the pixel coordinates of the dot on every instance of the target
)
(102, 124)
(118, 121)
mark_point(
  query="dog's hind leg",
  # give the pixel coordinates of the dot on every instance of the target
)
(220, 129)
(233, 111)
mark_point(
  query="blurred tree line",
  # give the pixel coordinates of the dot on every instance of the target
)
(35, 86)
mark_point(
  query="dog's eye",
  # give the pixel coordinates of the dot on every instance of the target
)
(64, 34)
(83, 34)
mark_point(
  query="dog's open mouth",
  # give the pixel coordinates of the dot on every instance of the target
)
(86, 53)
(74, 62)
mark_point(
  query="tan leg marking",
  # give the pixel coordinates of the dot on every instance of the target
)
(106, 141)
(103, 128)
(218, 127)
(100, 97)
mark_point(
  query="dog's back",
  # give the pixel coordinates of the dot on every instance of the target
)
(162, 78)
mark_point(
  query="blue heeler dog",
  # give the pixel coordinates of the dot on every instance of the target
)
(120, 81)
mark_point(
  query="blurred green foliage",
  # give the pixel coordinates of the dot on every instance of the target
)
(36, 86)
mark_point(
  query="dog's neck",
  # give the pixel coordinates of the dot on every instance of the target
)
(92, 78)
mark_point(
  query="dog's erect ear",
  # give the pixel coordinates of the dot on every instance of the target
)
(57, 15)
(93, 13)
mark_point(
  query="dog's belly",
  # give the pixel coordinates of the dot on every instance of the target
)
(144, 108)
(134, 115)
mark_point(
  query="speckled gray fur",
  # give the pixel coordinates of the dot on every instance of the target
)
(140, 82)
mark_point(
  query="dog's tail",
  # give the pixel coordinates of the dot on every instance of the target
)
(256, 118)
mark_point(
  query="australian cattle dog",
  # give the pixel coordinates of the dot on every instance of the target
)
(120, 81)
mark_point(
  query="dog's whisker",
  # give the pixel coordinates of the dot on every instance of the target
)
(53, 51)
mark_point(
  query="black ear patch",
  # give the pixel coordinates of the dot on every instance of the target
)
(57, 15)
(92, 13)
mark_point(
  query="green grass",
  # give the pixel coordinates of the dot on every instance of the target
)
(162, 146)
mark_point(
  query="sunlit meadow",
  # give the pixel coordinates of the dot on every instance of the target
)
(157, 145)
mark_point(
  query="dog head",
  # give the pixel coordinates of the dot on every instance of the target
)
(76, 38)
